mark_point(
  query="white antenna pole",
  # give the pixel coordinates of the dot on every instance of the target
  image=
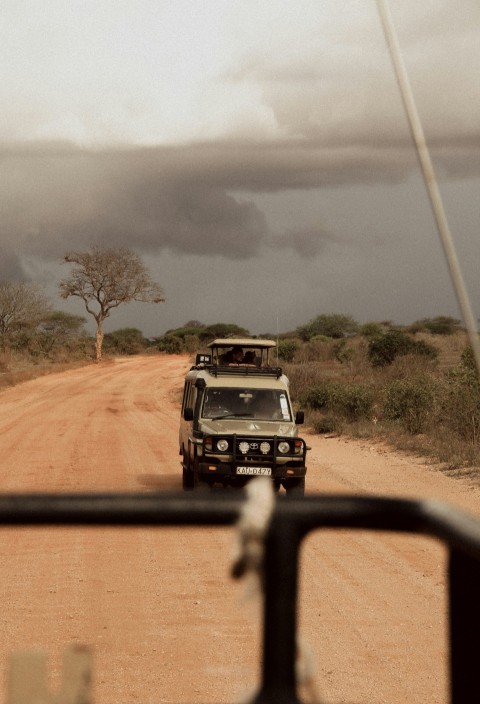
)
(278, 336)
(429, 177)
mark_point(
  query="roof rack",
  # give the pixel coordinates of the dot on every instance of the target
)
(243, 370)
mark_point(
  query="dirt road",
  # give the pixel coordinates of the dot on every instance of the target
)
(164, 619)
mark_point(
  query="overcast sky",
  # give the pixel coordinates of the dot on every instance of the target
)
(255, 154)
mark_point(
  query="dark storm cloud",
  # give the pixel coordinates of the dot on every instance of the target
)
(195, 198)
(307, 242)
(61, 198)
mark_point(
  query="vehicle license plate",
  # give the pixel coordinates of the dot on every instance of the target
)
(255, 470)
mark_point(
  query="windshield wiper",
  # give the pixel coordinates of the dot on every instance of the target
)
(232, 415)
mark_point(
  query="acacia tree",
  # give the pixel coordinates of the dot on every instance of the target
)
(106, 278)
(22, 305)
(61, 325)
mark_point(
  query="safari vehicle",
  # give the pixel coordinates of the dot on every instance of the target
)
(237, 420)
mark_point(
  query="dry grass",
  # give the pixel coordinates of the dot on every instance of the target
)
(450, 347)
(17, 368)
(453, 454)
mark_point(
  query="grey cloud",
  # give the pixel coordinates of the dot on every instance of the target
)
(307, 242)
(195, 198)
(143, 198)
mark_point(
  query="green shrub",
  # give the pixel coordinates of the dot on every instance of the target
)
(326, 423)
(286, 349)
(356, 402)
(423, 349)
(206, 333)
(210, 332)
(184, 332)
(441, 325)
(334, 325)
(412, 402)
(171, 344)
(351, 402)
(125, 341)
(343, 353)
(319, 396)
(370, 330)
(384, 349)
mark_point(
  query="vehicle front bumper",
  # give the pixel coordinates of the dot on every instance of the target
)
(238, 473)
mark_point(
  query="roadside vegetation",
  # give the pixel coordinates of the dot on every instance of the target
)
(414, 387)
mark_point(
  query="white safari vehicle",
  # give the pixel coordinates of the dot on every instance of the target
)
(237, 420)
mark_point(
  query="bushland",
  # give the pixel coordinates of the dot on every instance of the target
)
(417, 391)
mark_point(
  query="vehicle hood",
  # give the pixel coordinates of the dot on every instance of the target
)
(249, 427)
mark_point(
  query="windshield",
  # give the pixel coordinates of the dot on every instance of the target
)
(261, 404)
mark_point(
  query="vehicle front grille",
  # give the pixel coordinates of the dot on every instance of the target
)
(256, 448)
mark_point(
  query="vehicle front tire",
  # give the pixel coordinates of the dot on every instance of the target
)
(198, 484)
(187, 475)
(295, 488)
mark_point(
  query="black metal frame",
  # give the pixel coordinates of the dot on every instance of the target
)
(244, 370)
(292, 520)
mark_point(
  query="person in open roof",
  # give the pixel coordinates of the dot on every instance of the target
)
(233, 356)
(249, 357)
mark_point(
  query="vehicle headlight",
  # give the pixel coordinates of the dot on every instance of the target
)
(244, 447)
(222, 445)
(283, 447)
(265, 448)
(298, 446)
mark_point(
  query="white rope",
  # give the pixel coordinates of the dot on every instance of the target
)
(429, 177)
(305, 671)
(252, 527)
(249, 547)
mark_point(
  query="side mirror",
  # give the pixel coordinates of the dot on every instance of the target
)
(188, 414)
(299, 417)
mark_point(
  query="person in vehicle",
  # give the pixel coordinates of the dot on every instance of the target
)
(233, 356)
(249, 357)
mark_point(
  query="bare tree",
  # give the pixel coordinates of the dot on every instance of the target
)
(106, 278)
(22, 305)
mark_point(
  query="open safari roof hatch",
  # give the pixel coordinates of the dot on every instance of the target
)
(256, 357)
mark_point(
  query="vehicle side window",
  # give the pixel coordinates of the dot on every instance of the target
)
(185, 394)
(188, 396)
(192, 394)
(285, 407)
